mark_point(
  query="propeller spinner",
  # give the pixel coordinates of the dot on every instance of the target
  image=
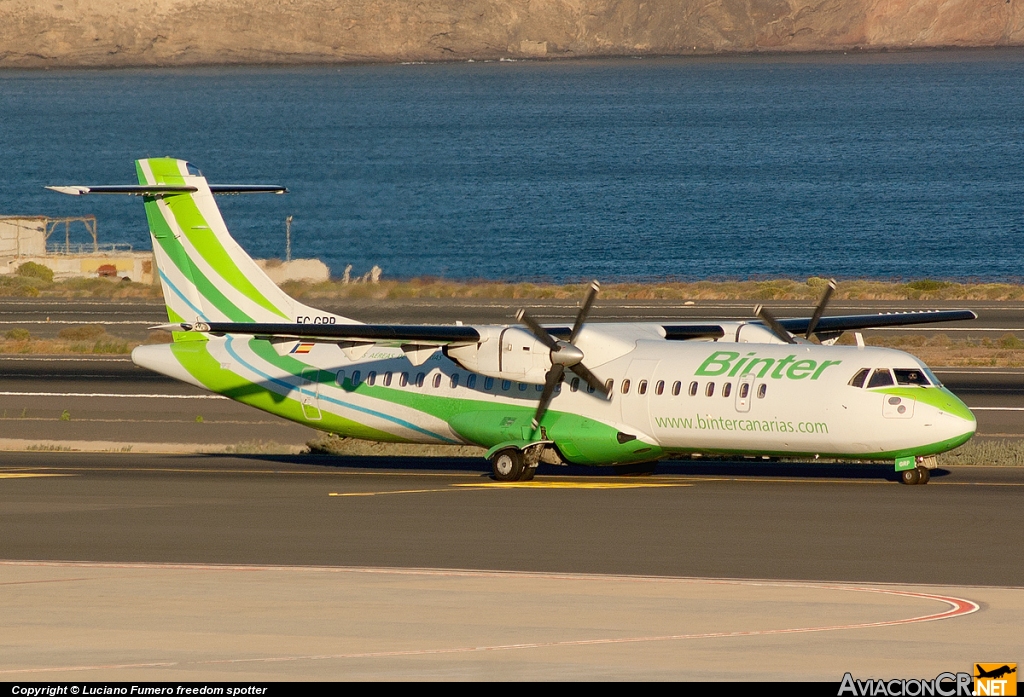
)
(564, 355)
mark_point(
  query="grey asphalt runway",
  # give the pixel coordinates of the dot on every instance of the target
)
(813, 523)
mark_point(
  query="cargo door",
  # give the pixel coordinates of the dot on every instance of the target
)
(309, 394)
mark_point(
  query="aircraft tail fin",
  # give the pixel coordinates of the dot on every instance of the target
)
(205, 275)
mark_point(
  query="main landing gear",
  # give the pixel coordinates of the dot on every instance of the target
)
(511, 465)
(918, 475)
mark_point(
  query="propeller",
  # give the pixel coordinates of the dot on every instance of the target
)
(564, 354)
(820, 309)
(773, 324)
(778, 330)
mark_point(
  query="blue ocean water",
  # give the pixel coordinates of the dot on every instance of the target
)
(881, 166)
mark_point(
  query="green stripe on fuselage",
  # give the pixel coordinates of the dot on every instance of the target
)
(198, 361)
(938, 397)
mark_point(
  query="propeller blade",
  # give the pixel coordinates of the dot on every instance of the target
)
(581, 316)
(591, 379)
(820, 309)
(773, 324)
(551, 381)
(538, 331)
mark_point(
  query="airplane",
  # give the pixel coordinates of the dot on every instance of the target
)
(995, 673)
(586, 394)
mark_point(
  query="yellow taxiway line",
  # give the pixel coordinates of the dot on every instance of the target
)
(518, 485)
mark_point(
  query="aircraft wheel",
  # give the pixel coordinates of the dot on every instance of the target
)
(528, 473)
(911, 477)
(926, 474)
(507, 465)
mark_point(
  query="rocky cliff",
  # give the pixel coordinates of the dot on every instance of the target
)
(57, 33)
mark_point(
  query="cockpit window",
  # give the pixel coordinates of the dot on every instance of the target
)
(880, 378)
(193, 170)
(931, 377)
(858, 379)
(911, 376)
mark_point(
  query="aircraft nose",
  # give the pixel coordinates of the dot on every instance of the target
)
(959, 420)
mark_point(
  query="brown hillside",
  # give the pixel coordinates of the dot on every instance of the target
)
(54, 33)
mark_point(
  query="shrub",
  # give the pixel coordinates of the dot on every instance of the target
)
(17, 334)
(30, 269)
(82, 332)
(928, 284)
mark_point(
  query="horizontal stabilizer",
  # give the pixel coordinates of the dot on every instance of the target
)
(168, 189)
(397, 333)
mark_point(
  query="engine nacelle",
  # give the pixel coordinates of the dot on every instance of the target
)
(506, 353)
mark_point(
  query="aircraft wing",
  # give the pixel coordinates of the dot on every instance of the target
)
(844, 323)
(441, 335)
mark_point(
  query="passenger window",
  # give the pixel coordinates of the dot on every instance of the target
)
(355, 379)
(403, 379)
(910, 376)
(880, 378)
(420, 378)
(693, 389)
(574, 384)
(625, 386)
(488, 383)
(590, 389)
(471, 381)
(522, 387)
(609, 384)
(539, 388)
(387, 379)
(506, 385)
(437, 380)
(727, 389)
(642, 387)
(455, 380)
(659, 387)
(676, 388)
(858, 379)
(710, 390)
(371, 377)
(341, 378)
(762, 389)
(744, 390)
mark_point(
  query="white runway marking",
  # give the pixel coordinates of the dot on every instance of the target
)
(111, 394)
(63, 359)
(76, 321)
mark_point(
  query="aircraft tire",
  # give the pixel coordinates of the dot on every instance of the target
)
(528, 473)
(911, 477)
(926, 474)
(507, 465)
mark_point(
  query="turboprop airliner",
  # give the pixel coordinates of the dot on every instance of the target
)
(586, 394)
